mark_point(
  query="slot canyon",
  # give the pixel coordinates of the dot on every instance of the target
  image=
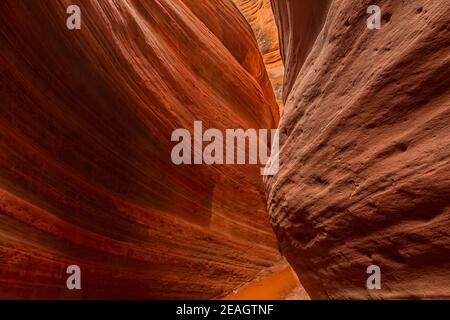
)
(86, 176)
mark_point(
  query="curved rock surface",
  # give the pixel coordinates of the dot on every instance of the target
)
(85, 171)
(365, 151)
(260, 16)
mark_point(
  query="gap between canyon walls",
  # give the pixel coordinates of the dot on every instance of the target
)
(260, 16)
(86, 176)
(298, 35)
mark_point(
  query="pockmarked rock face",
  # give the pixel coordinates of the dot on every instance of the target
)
(86, 176)
(260, 16)
(364, 161)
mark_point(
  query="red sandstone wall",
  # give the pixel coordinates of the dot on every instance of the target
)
(85, 173)
(365, 173)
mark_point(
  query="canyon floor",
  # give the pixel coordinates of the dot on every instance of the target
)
(276, 283)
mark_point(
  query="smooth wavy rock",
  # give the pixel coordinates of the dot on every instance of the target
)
(365, 150)
(260, 16)
(86, 176)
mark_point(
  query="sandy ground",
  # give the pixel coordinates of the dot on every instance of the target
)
(278, 283)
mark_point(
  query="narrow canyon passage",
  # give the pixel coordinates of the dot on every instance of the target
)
(88, 118)
(260, 16)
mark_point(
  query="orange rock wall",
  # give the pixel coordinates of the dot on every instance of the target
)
(86, 178)
(365, 174)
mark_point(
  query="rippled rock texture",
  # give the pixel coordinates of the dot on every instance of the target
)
(260, 16)
(365, 166)
(85, 171)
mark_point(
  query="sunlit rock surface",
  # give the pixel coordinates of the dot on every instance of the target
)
(86, 176)
(260, 16)
(365, 171)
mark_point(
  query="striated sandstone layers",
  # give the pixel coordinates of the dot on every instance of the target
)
(365, 150)
(260, 16)
(86, 178)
